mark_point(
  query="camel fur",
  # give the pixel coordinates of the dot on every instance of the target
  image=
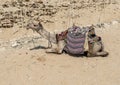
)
(95, 45)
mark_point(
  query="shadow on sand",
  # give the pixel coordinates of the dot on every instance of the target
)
(82, 55)
(38, 47)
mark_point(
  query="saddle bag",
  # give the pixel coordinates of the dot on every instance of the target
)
(75, 40)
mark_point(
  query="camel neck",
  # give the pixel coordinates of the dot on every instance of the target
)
(44, 33)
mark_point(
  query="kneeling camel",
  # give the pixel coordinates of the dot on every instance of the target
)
(93, 50)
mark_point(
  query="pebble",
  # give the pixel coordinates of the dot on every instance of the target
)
(14, 44)
(114, 22)
(106, 25)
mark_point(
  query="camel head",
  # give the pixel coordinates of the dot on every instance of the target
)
(34, 25)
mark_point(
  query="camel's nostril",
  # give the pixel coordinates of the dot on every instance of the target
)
(35, 25)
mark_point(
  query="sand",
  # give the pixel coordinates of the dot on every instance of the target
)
(35, 67)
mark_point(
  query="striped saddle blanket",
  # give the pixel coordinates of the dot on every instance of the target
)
(75, 40)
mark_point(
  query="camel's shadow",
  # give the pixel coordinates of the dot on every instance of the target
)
(77, 56)
(38, 47)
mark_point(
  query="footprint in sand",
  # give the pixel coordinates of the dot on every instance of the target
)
(41, 59)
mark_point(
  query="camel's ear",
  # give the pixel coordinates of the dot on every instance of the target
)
(40, 25)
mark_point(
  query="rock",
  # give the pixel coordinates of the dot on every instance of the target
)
(101, 25)
(106, 25)
(6, 4)
(14, 44)
(65, 5)
(114, 22)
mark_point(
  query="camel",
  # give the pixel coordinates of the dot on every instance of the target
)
(96, 47)
(38, 27)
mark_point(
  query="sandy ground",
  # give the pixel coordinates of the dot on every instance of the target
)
(26, 67)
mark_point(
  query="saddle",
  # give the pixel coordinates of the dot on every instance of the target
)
(61, 36)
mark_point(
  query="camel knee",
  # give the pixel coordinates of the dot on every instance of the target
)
(52, 50)
(49, 45)
(59, 51)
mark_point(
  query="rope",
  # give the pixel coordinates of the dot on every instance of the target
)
(49, 40)
(71, 13)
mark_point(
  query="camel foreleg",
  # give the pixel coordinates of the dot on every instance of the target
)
(58, 49)
(49, 44)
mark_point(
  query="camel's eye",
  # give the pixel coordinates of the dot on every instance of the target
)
(35, 25)
(89, 30)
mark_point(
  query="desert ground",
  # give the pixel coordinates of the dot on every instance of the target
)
(21, 66)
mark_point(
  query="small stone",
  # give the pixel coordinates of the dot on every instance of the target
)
(106, 25)
(14, 44)
(26, 42)
(65, 5)
(114, 22)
